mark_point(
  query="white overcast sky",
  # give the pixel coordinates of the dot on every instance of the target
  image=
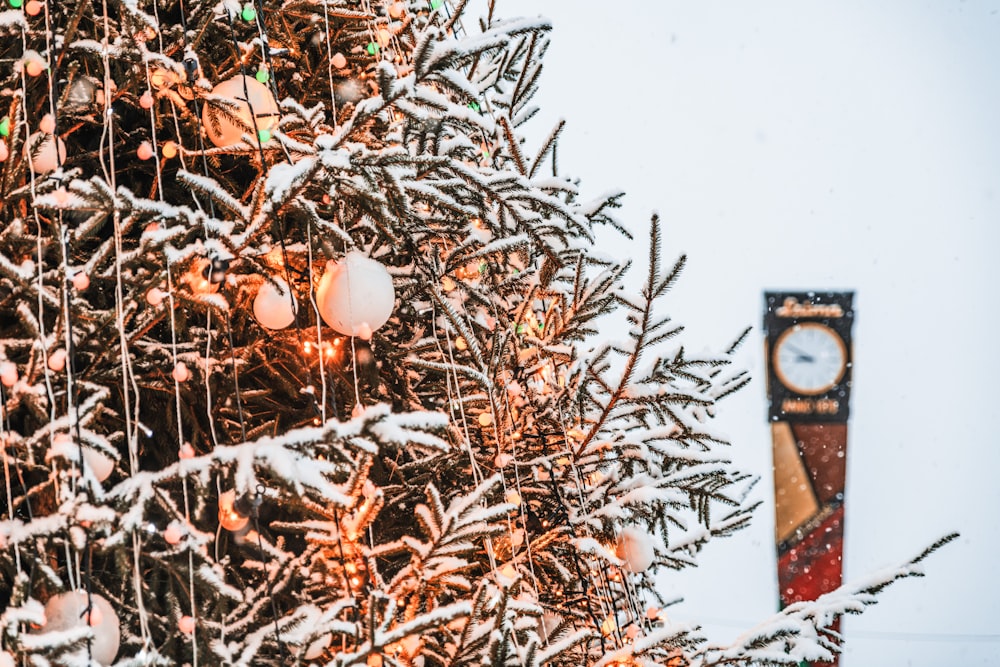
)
(807, 144)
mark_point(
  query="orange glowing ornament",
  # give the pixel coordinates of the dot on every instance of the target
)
(229, 518)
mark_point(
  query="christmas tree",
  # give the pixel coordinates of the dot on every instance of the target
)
(305, 358)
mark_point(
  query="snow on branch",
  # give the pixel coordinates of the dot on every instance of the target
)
(804, 630)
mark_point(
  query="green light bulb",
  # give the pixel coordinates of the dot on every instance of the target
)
(372, 48)
(264, 136)
(248, 13)
(5, 127)
(436, 3)
(16, 3)
(262, 75)
(520, 328)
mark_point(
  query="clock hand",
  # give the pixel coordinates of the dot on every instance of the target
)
(800, 355)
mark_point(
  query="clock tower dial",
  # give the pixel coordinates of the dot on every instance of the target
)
(810, 358)
(808, 355)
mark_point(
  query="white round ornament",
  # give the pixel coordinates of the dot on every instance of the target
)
(355, 294)
(274, 306)
(46, 152)
(101, 465)
(635, 547)
(316, 648)
(81, 92)
(245, 93)
(66, 611)
(8, 373)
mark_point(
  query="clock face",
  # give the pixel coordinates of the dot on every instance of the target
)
(810, 358)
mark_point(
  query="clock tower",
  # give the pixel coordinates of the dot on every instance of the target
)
(809, 368)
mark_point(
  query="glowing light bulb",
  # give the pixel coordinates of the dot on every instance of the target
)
(57, 360)
(155, 296)
(229, 518)
(181, 372)
(8, 373)
(186, 624)
(47, 124)
(34, 67)
(173, 534)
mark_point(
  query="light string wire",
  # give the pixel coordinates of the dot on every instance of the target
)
(208, 371)
(72, 398)
(607, 601)
(280, 231)
(181, 152)
(197, 109)
(39, 290)
(492, 157)
(182, 472)
(128, 376)
(463, 419)
(172, 308)
(319, 330)
(454, 20)
(5, 443)
(457, 401)
(255, 515)
(74, 572)
(259, 141)
(453, 381)
(502, 444)
(329, 64)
